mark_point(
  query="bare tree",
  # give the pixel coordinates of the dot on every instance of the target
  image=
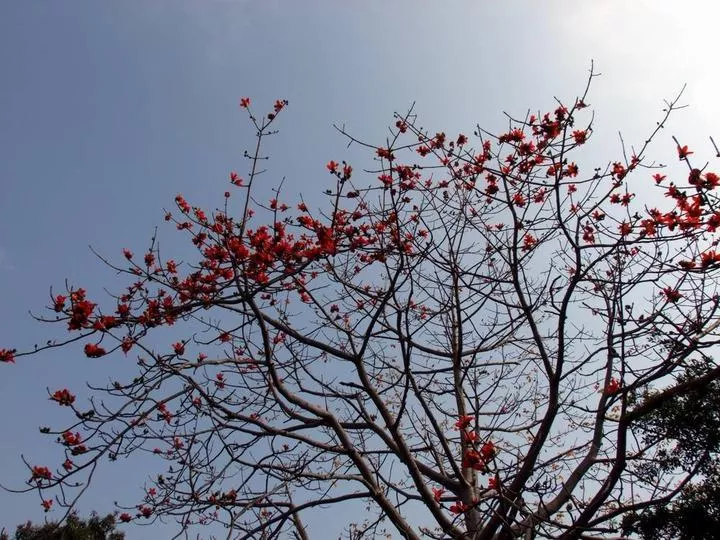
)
(464, 346)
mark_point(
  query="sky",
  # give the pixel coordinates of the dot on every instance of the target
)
(109, 109)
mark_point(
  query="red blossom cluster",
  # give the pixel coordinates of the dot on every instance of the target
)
(479, 459)
(81, 310)
(93, 350)
(41, 473)
(63, 397)
(612, 387)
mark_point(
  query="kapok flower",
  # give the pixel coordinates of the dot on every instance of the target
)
(93, 350)
(672, 295)
(683, 152)
(488, 450)
(63, 397)
(41, 473)
(71, 439)
(612, 387)
(473, 460)
(7, 356)
(580, 136)
(59, 303)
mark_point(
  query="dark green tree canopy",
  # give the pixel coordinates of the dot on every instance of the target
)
(687, 426)
(94, 528)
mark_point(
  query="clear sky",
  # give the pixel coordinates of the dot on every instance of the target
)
(108, 109)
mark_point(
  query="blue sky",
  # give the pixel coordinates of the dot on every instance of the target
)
(109, 109)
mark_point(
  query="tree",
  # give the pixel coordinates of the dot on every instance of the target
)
(687, 427)
(467, 341)
(94, 528)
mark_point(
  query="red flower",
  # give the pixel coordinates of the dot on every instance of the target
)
(459, 507)
(612, 387)
(123, 310)
(145, 511)
(464, 421)
(63, 397)
(59, 303)
(708, 258)
(126, 344)
(47, 504)
(41, 473)
(473, 460)
(77, 450)
(93, 350)
(105, 323)
(71, 439)
(619, 170)
(528, 242)
(245, 102)
(235, 179)
(687, 265)
(179, 348)
(683, 152)
(580, 136)
(68, 465)
(125, 517)
(182, 204)
(437, 493)
(7, 356)
(81, 311)
(712, 180)
(493, 483)
(658, 177)
(385, 153)
(488, 450)
(672, 295)
(128, 254)
(332, 166)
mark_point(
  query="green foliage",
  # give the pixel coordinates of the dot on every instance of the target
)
(94, 528)
(687, 427)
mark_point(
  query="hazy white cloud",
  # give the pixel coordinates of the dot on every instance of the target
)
(651, 48)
